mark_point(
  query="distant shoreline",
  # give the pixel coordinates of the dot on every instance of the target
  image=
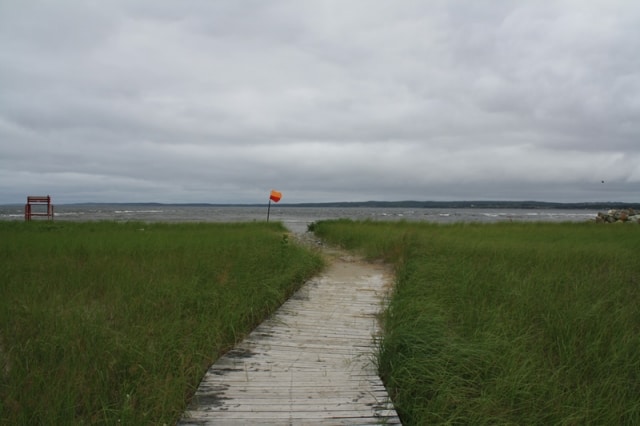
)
(394, 204)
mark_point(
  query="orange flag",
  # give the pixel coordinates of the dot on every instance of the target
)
(275, 196)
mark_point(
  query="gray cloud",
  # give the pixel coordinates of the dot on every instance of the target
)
(222, 101)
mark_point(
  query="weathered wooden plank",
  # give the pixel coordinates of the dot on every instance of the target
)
(311, 329)
(353, 409)
(284, 398)
(292, 367)
(336, 421)
(300, 368)
(275, 380)
(355, 417)
(309, 391)
(305, 346)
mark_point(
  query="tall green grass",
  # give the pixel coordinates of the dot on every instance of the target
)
(107, 322)
(510, 323)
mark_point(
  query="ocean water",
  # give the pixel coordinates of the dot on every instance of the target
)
(295, 218)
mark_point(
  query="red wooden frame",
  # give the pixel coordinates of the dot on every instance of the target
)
(38, 200)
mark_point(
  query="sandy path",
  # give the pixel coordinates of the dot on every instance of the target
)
(311, 362)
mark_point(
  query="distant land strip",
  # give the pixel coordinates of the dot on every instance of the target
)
(406, 204)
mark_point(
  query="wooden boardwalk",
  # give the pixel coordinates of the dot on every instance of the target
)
(310, 363)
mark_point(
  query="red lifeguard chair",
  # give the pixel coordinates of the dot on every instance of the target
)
(40, 201)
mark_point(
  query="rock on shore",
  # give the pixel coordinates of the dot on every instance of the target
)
(618, 216)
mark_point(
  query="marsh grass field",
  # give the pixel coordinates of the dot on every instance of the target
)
(505, 323)
(105, 322)
(509, 323)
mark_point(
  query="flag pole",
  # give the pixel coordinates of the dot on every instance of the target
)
(269, 209)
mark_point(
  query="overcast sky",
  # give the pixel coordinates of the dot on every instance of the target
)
(219, 101)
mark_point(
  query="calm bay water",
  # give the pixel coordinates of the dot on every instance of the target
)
(295, 218)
